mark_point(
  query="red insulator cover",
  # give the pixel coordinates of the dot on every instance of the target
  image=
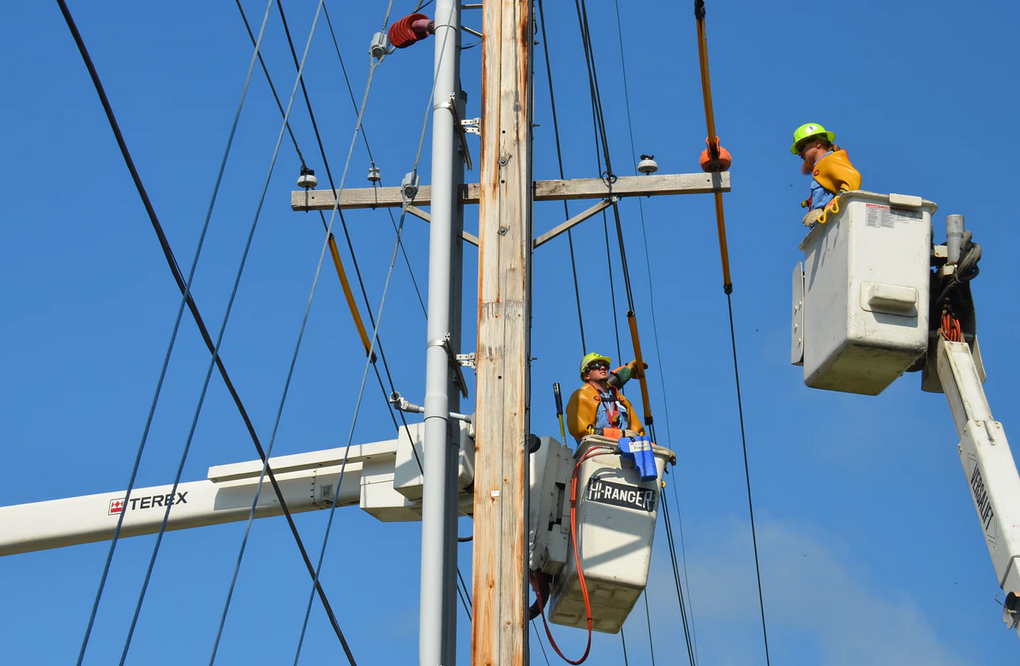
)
(722, 164)
(409, 30)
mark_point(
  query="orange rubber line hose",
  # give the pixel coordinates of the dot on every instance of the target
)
(713, 144)
(350, 296)
(640, 367)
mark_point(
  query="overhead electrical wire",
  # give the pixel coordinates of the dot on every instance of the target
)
(676, 578)
(375, 331)
(336, 45)
(332, 244)
(465, 594)
(655, 337)
(648, 619)
(609, 177)
(368, 149)
(747, 477)
(540, 643)
(184, 286)
(377, 324)
(714, 154)
(215, 354)
(279, 415)
(559, 160)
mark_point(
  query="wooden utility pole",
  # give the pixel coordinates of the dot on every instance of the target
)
(504, 336)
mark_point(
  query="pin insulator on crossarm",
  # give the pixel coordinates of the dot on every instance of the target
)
(307, 179)
(410, 29)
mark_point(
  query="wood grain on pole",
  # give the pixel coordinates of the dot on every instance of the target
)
(504, 273)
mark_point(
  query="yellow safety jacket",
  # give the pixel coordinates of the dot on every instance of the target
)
(835, 173)
(584, 406)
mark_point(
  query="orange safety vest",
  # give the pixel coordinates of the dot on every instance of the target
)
(583, 407)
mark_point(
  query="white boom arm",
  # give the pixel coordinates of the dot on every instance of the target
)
(989, 467)
(382, 477)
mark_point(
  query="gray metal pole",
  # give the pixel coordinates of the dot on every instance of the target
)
(437, 639)
(954, 237)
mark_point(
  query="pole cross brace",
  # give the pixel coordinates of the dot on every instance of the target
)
(454, 360)
(574, 221)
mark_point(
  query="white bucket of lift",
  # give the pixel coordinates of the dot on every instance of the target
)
(616, 514)
(860, 302)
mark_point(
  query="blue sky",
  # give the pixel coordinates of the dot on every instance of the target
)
(870, 549)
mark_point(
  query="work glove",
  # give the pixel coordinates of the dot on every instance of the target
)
(812, 217)
(635, 372)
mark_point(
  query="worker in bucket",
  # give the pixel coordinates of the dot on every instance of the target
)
(828, 164)
(598, 407)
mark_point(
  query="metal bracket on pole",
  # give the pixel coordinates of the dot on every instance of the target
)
(451, 105)
(472, 126)
(467, 360)
(454, 360)
(400, 403)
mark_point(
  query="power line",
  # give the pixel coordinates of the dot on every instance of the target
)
(747, 476)
(655, 331)
(215, 354)
(187, 298)
(375, 331)
(676, 579)
(368, 148)
(648, 619)
(343, 222)
(559, 160)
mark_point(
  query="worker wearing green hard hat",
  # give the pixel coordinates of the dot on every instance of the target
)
(809, 131)
(598, 407)
(829, 165)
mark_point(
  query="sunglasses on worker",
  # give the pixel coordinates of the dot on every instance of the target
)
(598, 365)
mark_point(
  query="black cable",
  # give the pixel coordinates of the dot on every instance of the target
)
(676, 579)
(685, 576)
(368, 149)
(603, 137)
(612, 288)
(623, 639)
(347, 79)
(538, 635)
(462, 592)
(648, 619)
(192, 306)
(559, 160)
(304, 92)
(593, 84)
(747, 475)
(272, 88)
(343, 221)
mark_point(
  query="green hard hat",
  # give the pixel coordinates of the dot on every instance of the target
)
(808, 130)
(591, 358)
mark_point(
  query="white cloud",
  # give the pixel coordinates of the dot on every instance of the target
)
(820, 607)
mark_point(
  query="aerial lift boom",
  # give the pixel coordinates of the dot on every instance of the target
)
(988, 465)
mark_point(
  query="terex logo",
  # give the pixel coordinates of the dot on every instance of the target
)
(117, 505)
